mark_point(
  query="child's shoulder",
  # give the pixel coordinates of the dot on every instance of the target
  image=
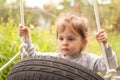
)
(90, 55)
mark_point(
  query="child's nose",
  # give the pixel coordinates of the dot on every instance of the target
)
(65, 42)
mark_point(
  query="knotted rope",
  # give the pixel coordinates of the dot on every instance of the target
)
(24, 45)
(22, 48)
(110, 72)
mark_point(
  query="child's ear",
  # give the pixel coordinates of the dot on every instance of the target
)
(85, 41)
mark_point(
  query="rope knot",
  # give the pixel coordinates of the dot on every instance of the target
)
(23, 50)
(109, 74)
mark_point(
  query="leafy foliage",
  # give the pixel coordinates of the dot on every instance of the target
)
(8, 45)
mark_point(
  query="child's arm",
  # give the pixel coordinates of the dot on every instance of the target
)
(112, 60)
(24, 32)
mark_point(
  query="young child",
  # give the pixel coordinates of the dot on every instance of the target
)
(72, 34)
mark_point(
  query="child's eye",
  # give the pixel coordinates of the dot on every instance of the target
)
(71, 39)
(60, 38)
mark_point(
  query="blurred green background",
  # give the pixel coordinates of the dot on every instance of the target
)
(41, 23)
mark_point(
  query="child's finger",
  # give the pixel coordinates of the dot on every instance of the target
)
(99, 33)
(21, 33)
(103, 34)
(102, 38)
(21, 27)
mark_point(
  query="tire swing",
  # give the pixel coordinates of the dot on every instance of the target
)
(50, 68)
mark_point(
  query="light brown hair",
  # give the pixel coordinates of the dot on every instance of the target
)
(72, 21)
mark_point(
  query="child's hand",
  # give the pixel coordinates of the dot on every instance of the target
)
(23, 32)
(101, 36)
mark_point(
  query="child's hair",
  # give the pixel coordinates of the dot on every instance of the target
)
(74, 22)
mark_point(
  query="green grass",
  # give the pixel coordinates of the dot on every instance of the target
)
(44, 40)
(9, 42)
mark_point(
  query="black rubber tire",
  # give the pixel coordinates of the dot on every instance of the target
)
(50, 68)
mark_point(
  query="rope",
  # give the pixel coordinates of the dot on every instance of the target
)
(115, 78)
(110, 72)
(98, 27)
(23, 46)
(24, 53)
(21, 12)
(4, 66)
(22, 50)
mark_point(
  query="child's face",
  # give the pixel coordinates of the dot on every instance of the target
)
(70, 42)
